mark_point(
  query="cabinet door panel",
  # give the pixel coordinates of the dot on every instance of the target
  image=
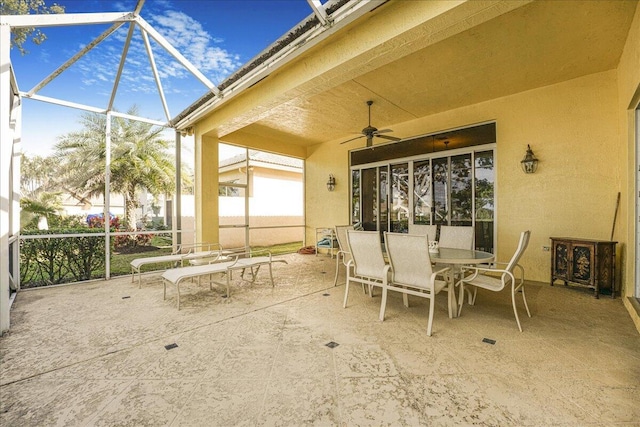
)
(582, 263)
(561, 260)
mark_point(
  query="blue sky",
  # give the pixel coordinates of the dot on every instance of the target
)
(216, 36)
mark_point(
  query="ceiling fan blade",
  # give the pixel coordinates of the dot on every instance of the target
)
(384, 131)
(390, 138)
(352, 139)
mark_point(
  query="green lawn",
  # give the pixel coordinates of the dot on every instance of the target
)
(120, 263)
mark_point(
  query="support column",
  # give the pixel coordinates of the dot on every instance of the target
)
(206, 189)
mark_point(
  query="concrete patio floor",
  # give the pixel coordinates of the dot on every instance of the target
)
(96, 354)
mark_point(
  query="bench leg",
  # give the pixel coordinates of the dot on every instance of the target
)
(254, 273)
(271, 275)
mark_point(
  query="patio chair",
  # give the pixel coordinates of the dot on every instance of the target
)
(424, 230)
(411, 271)
(344, 254)
(496, 279)
(457, 237)
(367, 265)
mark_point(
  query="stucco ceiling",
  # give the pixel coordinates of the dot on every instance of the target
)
(537, 44)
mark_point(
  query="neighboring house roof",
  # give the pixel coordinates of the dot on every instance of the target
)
(262, 157)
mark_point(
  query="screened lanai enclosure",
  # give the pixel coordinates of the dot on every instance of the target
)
(101, 230)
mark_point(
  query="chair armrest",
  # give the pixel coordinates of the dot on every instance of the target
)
(263, 252)
(442, 271)
(517, 266)
(232, 257)
(479, 270)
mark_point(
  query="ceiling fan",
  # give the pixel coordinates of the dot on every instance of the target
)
(371, 131)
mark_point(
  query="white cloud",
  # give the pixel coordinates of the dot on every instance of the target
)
(97, 69)
(189, 37)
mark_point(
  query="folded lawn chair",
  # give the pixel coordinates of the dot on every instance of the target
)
(197, 251)
(176, 275)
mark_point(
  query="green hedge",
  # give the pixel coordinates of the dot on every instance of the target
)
(51, 261)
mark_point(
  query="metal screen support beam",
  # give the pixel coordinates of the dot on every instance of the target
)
(319, 11)
(6, 143)
(65, 103)
(93, 109)
(156, 76)
(107, 199)
(74, 58)
(14, 217)
(66, 19)
(177, 55)
(123, 58)
(176, 224)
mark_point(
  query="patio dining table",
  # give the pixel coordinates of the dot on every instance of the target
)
(457, 258)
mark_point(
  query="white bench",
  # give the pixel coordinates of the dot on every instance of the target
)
(197, 251)
(176, 275)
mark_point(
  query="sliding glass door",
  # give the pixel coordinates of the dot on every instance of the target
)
(456, 189)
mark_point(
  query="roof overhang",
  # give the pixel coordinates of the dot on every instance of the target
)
(413, 59)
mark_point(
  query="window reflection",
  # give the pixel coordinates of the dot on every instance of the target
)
(440, 173)
(422, 192)
(400, 198)
(461, 187)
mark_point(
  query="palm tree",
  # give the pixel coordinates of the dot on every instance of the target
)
(40, 197)
(140, 160)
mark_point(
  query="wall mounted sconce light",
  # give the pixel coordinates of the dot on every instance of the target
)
(530, 162)
(331, 184)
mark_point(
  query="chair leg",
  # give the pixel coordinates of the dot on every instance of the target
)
(432, 307)
(335, 279)
(472, 298)
(346, 293)
(383, 303)
(460, 297)
(524, 299)
(451, 299)
(515, 309)
(405, 299)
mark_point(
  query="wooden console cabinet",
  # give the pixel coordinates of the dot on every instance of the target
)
(585, 262)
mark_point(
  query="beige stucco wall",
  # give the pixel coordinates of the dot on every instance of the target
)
(628, 99)
(572, 128)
